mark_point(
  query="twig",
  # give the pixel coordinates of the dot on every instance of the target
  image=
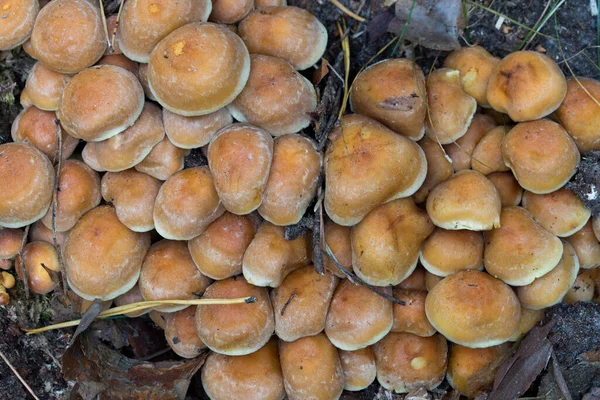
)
(14, 371)
(287, 303)
(22, 261)
(347, 11)
(346, 50)
(55, 206)
(114, 33)
(103, 14)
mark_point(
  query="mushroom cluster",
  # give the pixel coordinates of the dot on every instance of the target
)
(444, 193)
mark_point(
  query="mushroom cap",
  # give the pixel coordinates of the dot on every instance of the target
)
(392, 92)
(337, 238)
(193, 132)
(520, 250)
(582, 289)
(450, 109)
(439, 168)
(359, 368)
(119, 60)
(102, 257)
(45, 86)
(445, 252)
(293, 180)
(311, 368)
(117, 90)
(415, 281)
(475, 65)
(78, 192)
(276, 97)
(301, 303)
(270, 257)
(461, 149)
(465, 201)
(39, 232)
(431, 280)
(366, 165)
(88, 154)
(181, 333)
(189, 79)
(255, 376)
(59, 46)
(24, 99)
(407, 362)
(164, 160)
(10, 243)
(133, 295)
(473, 309)
(144, 23)
(26, 184)
(230, 11)
(411, 317)
(586, 246)
(159, 318)
(235, 329)
(487, 155)
(561, 212)
(143, 77)
(386, 243)
(529, 318)
(596, 227)
(550, 289)
(578, 113)
(186, 204)
(38, 258)
(358, 317)
(526, 85)
(18, 18)
(130, 147)
(240, 158)
(541, 155)
(169, 273)
(219, 250)
(290, 33)
(508, 188)
(133, 194)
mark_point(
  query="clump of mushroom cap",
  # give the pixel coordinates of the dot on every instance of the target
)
(301, 303)
(411, 317)
(26, 183)
(133, 295)
(586, 246)
(128, 148)
(102, 256)
(487, 155)
(186, 204)
(18, 18)
(550, 289)
(290, 33)
(164, 160)
(45, 86)
(359, 368)
(431, 280)
(527, 86)
(529, 318)
(386, 243)
(240, 157)
(188, 80)
(181, 333)
(311, 368)
(450, 109)
(219, 250)
(39, 232)
(10, 243)
(133, 194)
(78, 192)
(193, 132)
(582, 289)
(88, 154)
(445, 252)
(293, 179)
(366, 165)
(238, 329)
(460, 150)
(276, 97)
(439, 168)
(169, 273)
(117, 90)
(392, 92)
(561, 212)
(475, 65)
(40, 129)
(143, 77)
(407, 362)
(473, 309)
(520, 250)
(508, 188)
(578, 113)
(270, 257)
(468, 200)
(255, 376)
(358, 317)
(144, 23)
(230, 11)
(541, 155)
(119, 60)
(337, 239)
(464, 364)
(39, 258)
(61, 48)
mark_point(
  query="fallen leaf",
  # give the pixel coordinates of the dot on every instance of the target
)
(560, 379)
(321, 72)
(86, 320)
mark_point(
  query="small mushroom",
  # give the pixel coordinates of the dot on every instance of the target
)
(193, 132)
(582, 289)
(411, 317)
(133, 295)
(508, 188)
(230, 11)
(337, 238)
(44, 87)
(487, 155)
(40, 261)
(439, 168)
(461, 149)
(18, 18)
(529, 318)
(586, 246)
(445, 252)
(164, 160)
(10, 243)
(359, 368)
(181, 333)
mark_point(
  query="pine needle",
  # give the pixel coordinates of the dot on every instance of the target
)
(346, 50)
(347, 11)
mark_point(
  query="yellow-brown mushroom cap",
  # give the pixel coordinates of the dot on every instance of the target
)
(508, 188)
(411, 317)
(586, 246)
(529, 318)
(473, 309)
(133, 295)
(39, 232)
(359, 368)
(38, 258)
(337, 238)
(18, 18)
(193, 132)
(582, 289)
(10, 243)
(164, 160)
(88, 154)
(230, 11)
(439, 168)
(445, 252)
(181, 333)
(44, 87)
(460, 150)
(487, 155)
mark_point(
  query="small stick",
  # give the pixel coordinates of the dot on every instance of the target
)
(14, 371)
(114, 32)
(54, 207)
(105, 26)
(22, 261)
